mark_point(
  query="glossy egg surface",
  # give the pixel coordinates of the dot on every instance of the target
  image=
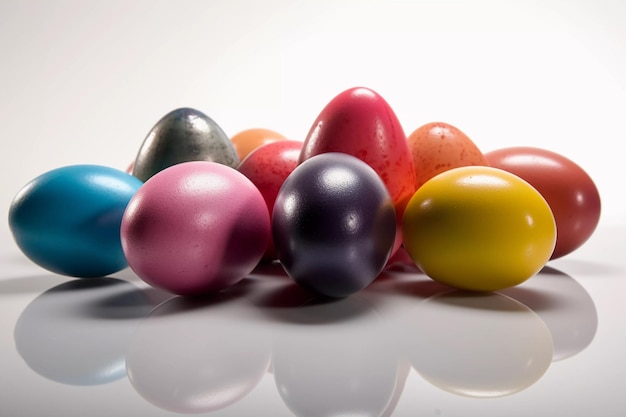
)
(195, 227)
(183, 135)
(568, 189)
(333, 224)
(478, 228)
(68, 220)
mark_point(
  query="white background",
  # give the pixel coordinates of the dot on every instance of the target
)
(84, 81)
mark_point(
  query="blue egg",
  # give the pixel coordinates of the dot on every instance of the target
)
(68, 220)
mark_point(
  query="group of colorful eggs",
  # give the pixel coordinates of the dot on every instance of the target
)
(197, 211)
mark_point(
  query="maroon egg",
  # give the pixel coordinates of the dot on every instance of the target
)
(333, 224)
(267, 167)
(568, 189)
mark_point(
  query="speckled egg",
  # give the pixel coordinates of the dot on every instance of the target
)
(68, 220)
(195, 227)
(183, 135)
(437, 147)
(361, 123)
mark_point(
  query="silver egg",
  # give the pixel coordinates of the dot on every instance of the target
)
(183, 135)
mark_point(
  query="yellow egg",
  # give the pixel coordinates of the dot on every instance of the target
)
(478, 228)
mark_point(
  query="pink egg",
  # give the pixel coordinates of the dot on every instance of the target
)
(195, 227)
(267, 167)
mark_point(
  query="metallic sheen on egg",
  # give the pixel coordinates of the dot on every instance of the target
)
(183, 135)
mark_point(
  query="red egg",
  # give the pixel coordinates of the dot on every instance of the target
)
(437, 147)
(267, 167)
(568, 189)
(248, 140)
(361, 123)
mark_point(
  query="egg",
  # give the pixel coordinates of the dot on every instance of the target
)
(361, 123)
(248, 140)
(438, 147)
(183, 135)
(568, 189)
(478, 228)
(267, 167)
(195, 227)
(333, 224)
(67, 220)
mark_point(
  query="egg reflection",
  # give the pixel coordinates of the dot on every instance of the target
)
(334, 359)
(77, 333)
(478, 345)
(193, 356)
(564, 305)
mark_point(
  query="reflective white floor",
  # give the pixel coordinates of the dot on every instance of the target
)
(405, 346)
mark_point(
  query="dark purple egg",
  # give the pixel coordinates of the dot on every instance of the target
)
(333, 224)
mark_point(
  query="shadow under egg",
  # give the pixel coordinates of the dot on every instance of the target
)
(564, 305)
(478, 344)
(341, 363)
(198, 355)
(77, 333)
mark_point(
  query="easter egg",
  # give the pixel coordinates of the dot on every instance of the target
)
(68, 220)
(478, 228)
(183, 135)
(568, 189)
(267, 167)
(195, 227)
(361, 123)
(333, 224)
(438, 147)
(248, 140)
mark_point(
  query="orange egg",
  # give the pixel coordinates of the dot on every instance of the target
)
(248, 140)
(437, 147)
